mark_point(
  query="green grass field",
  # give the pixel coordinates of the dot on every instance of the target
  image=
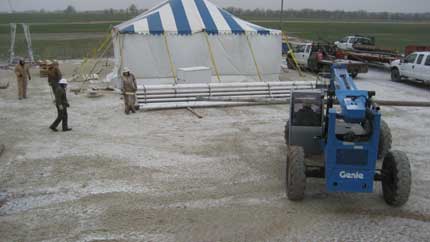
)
(85, 32)
(390, 35)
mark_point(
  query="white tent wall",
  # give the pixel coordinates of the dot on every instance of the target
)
(146, 55)
(189, 50)
(233, 56)
(268, 52)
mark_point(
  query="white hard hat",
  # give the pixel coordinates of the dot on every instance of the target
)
(126, 70)
(63, 81)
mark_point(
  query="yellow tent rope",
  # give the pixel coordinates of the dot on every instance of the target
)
(212, 56)
(293, 56)
(96, 51)
(172, 66)
(253, 57)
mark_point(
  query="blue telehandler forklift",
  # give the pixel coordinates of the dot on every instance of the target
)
(337, 133)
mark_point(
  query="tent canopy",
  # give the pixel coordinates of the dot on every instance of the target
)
(185, 17)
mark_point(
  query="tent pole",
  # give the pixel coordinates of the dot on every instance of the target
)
(212, 56)
(121, 51)
(172, 66)
(253, 57)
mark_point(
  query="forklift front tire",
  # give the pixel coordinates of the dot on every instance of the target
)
(396, 178)
(295, 175)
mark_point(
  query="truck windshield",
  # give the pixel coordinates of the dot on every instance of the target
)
(300, 48)
(410, 58)
(364, 41)
(344, 40)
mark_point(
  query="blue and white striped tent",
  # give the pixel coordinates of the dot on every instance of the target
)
(187, 33)
(187, 17)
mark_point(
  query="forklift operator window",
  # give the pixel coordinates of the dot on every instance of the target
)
(307, 111)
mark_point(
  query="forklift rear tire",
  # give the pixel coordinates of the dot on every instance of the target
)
(385, 140)
(295, 175)
(396, 178)
(287, 131)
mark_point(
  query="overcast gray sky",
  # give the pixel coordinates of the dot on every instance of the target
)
(369, 5)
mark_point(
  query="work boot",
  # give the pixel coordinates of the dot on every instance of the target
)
(68, 129)
(54, 129)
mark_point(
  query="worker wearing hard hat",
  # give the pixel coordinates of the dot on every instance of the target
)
(54, 74)
(129, 89)
(62, 105)
(22, 72)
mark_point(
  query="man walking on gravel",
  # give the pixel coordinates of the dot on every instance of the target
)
(129, 89)
(54, 75)
(62, 105)
(22, 72)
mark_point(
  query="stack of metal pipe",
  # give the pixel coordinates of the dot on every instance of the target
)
(199, 92)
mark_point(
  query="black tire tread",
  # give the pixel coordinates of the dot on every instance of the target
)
(287, 132)
(401, 169)
(398, 72)
(295, 172)
(385, 140)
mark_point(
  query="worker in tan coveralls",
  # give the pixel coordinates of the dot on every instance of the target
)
(54, 75)
(22, 72)
(129, 89)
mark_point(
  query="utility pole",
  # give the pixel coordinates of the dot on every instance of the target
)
(10, 6)
(281, 16)
(284, 36)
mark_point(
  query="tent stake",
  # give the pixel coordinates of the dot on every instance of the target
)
(194, 112)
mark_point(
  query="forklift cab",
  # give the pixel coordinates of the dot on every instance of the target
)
(305, 127)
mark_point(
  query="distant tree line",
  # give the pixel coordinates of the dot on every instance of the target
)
(70, 10)
(327, 14)
(259, 13)
(131, 10)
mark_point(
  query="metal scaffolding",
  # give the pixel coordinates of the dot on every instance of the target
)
(12, 42)
(26, 30)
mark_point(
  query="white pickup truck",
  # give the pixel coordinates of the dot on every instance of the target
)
(348, 42)
(415, 67)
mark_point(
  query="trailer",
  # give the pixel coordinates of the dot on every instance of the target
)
(364, 49)
(319, 57)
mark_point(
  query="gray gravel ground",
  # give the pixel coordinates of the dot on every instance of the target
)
(168, 176)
